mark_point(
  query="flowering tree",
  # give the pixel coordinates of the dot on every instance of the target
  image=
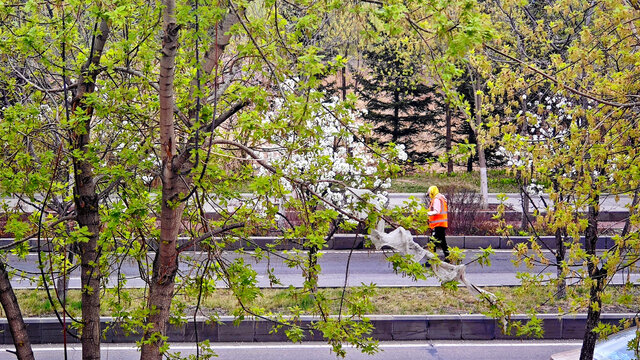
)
(315, 183)
(568, 88)
(121, 120)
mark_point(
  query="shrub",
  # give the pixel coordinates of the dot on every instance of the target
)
(464, 206)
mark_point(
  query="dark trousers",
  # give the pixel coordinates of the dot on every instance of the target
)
(439, 233)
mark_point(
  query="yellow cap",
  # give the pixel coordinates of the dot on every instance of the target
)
(433, 191)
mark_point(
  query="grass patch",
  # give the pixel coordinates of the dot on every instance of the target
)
(409, 301)
(499, 181)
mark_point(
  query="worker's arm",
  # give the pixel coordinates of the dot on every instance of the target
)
(437, 207)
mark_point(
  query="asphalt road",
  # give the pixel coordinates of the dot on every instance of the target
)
(437, 350)
(364, 267)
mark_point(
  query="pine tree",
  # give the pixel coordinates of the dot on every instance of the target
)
(400, 106)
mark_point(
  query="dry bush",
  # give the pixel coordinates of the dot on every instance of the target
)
(464, 208)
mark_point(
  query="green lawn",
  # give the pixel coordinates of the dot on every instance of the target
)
(499, 181)
(422, 301)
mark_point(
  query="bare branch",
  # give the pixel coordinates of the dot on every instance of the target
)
(225, 116)
(248, 151)
(38, 87)
(569, 88)
(184, 155)
(109, 188)
(209, 234)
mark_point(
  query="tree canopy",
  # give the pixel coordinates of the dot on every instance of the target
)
(143, 130)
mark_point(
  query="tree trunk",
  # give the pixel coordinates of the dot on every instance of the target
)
(63, 281)
(165, 264)
(212, 55)
(86, 201)
(165, 267)
(448, 139)
(524, 129)
(396, 117)
(561, 289)
(175, 176)
(87, 215)
(598, 277)
(484, 187)
(482, 162)
(343, 77)
(632, 210)
(524, 222)
(312, 276)
(593, 317)
(14, 317)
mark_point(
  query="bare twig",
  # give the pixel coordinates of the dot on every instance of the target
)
(209, 234)
(569, 88)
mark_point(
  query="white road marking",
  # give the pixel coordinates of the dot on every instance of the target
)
(325, 346)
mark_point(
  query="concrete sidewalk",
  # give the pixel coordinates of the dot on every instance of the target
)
(608, 202)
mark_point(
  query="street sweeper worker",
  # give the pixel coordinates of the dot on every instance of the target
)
(438, 221)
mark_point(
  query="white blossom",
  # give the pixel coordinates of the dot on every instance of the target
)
(402, 155)
(535, 189)
(331, 158)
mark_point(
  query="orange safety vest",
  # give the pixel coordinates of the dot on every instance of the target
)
(440, 219)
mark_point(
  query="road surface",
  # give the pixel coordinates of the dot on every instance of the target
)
(435, 350)
(364, 267)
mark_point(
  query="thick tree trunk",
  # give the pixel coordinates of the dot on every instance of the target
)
(597, 286)
(14, 317)
(448, 139)
(165, 264)
(175, 175)
(87, 215)
(86, 201)
(593, 317)
(165, 267)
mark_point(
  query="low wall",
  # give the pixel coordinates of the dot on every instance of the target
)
(387, 327)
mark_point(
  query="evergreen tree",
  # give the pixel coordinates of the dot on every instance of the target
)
(400, 106)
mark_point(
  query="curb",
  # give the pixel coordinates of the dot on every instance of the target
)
(357, 242)
(386, 328)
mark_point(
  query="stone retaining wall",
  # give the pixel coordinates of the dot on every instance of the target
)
(387, 328)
